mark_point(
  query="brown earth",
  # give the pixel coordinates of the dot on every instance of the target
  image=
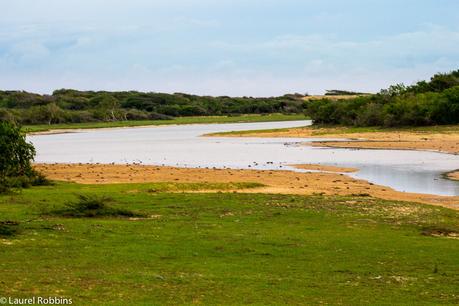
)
(276, 182)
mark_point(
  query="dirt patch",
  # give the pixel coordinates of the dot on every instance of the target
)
(276, 182)
(325, 168)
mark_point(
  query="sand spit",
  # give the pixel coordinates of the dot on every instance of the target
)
(447, 142)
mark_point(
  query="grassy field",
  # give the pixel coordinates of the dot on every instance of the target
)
(226, 248)
(179, 120)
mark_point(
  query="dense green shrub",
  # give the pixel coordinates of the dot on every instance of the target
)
(17, 153)
(426, 103)
(15, 160)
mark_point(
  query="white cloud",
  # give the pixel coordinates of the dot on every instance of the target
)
(225, 47)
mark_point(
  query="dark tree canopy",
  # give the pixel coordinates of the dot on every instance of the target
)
(16, 153)
(73, 106)
(426, 103)
(16, 156)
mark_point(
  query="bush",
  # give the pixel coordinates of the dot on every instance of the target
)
(15, 161)
(17, 153)
(8, 228)
(90, 206)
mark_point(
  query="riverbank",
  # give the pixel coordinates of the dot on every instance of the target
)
(439, 138)
(276, 182)
(62, 128)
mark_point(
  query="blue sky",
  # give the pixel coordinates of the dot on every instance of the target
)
(235, 47)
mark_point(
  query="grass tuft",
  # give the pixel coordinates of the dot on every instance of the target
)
(8, 228)
(92, 206)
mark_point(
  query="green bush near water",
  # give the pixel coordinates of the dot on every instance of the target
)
(15, 160)
(426, 103)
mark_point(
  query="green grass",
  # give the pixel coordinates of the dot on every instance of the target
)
(227, 248)
(179, 120)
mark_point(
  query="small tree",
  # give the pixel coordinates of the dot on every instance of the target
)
(16, 154)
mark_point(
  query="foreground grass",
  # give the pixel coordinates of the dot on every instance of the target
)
(226, 248)
(179, 120)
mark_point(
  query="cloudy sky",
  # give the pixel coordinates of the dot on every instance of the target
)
(234, 47)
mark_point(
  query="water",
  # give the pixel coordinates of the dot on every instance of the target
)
(410, 171)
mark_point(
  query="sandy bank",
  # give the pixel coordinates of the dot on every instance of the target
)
(277, 182)
(447, 142)
(454, 175)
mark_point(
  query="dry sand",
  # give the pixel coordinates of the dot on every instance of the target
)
(276, 182)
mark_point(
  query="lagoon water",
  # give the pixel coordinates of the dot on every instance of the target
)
(182, 146)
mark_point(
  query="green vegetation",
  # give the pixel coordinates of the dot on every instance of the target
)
(71, 106)
(226, 248)
(178, 120)
(92, 206)
(15, 160)
(426, 103)
(8, 228)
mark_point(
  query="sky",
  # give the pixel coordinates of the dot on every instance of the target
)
(236, 48)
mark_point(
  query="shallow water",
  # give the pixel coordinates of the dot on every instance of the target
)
(410, 171)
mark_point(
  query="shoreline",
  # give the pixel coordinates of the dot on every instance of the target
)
(276, 182)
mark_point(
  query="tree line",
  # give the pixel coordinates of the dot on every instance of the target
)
(434, 102)
(73, 106)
